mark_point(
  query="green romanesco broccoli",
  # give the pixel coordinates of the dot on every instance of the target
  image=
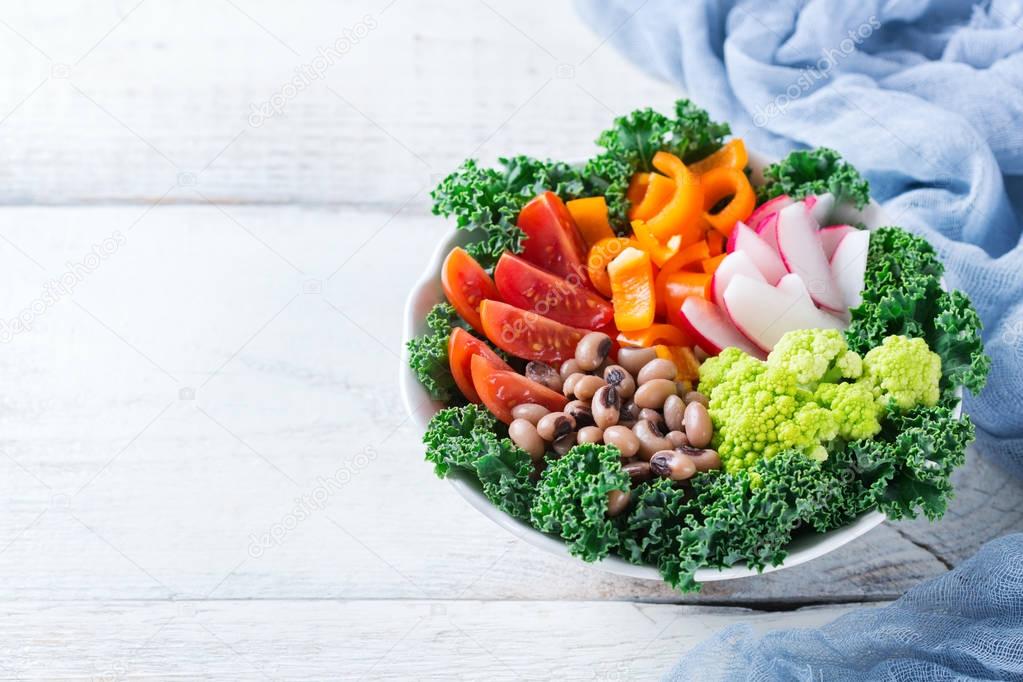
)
(904, 372)
(810, 390)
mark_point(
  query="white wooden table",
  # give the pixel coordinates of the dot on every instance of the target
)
(204, 466)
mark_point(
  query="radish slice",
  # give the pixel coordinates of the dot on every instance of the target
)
(767, 209)
(764, 313)
(760, 252)
(831, 236)
(712, 330)
(768, 231)
(820, 206)
(736, 263)
(849, 265)
(794, 285)
(802, 253)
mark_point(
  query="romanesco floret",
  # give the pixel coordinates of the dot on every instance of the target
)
(853, 407)
(903, 372)
(731, 362)
(816, 355)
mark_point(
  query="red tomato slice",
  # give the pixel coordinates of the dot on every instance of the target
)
(527, 334)
(526, 286)
(462, 348)
(553, 241)
(466, 284)
(501, 390)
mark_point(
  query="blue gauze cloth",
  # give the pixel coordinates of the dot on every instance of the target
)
(925, 98)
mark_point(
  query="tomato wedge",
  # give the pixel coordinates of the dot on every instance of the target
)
(501, 390)
(553, 241)
(528, 335)
(462, 348)
(466, 284)
(526, 286)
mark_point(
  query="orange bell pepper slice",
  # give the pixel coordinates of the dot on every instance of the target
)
(658, 193)
(687, 256)
(731, 155)
(653, 335)
(711, 264)
(677, 288)
(717, 242)
(681, 215)
(637, 187)
(590, 216)
(632, 289)
(659, 253)
(684, 359)
(719, 184)
(602, 253)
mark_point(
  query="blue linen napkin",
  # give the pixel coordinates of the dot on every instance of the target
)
(924, 97)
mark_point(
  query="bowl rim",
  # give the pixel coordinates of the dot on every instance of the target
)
(419, 408)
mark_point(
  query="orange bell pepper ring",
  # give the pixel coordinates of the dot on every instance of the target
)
(711, 264)
(720, 184)
(687, 256)
(632, 289)
(731, 155)
(658, 193)
(681, 215)
(659, 253)
(653, 335)
(637, 188)
(602, 253)
(590, 216)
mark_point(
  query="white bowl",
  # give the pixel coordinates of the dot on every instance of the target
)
(427, 292)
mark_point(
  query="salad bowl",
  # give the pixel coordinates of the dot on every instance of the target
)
(427, 291)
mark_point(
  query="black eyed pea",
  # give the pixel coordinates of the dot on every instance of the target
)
(633, 359)
(650, 439)
(697, 397)
(523, 433)
(673, 464)
(654, 417)
(674, 409)
(554, 425)
(544, 374)
(653, 393)
(590, 434)
(568, 368)
(606, 406)
(568, 387)
(531, 412)
(587, 387)
(629, 414)
(592, 350)
(581, 412)
(562, 445)
(619, 377)
(622, 438)
(678, 439)
(617, 502)
(658, 368)
(638, 471)
(698, 425)
(705, 460)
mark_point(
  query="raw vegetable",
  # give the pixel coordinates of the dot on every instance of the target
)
(904, 372)
(632, 289)
(729, 185)
(428, 354)
(602, 253)
(732, 155)
(652, 192)
(526, 286)
(462, 346)
(571, 499)
(807, 172)
(527, 334)
(501, 390)
(680, 216)
(590, 215)
(552, 240)
(465, 285)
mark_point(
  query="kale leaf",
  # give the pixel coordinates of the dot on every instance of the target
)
(428, 353)
(815, 171)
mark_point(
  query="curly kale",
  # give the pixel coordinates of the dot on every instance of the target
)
(815, 171)
(571, 499)
(428, 353)
(466, 438)
(650, 530)
(903, 295)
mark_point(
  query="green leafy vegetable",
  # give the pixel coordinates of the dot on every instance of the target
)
(571, 499)
(428, 354)
(816, 171)
(903, 295)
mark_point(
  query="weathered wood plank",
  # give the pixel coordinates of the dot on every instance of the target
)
(317, 640)
(176, 405)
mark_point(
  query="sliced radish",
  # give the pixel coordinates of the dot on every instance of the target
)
(768, 231)
(764, 313)
(831, 236)
(802, 253)
(849, 265)
(712, 330)
(736, 263)
(794, 285)
(820, 206)
(767, 209)
(763, 255)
